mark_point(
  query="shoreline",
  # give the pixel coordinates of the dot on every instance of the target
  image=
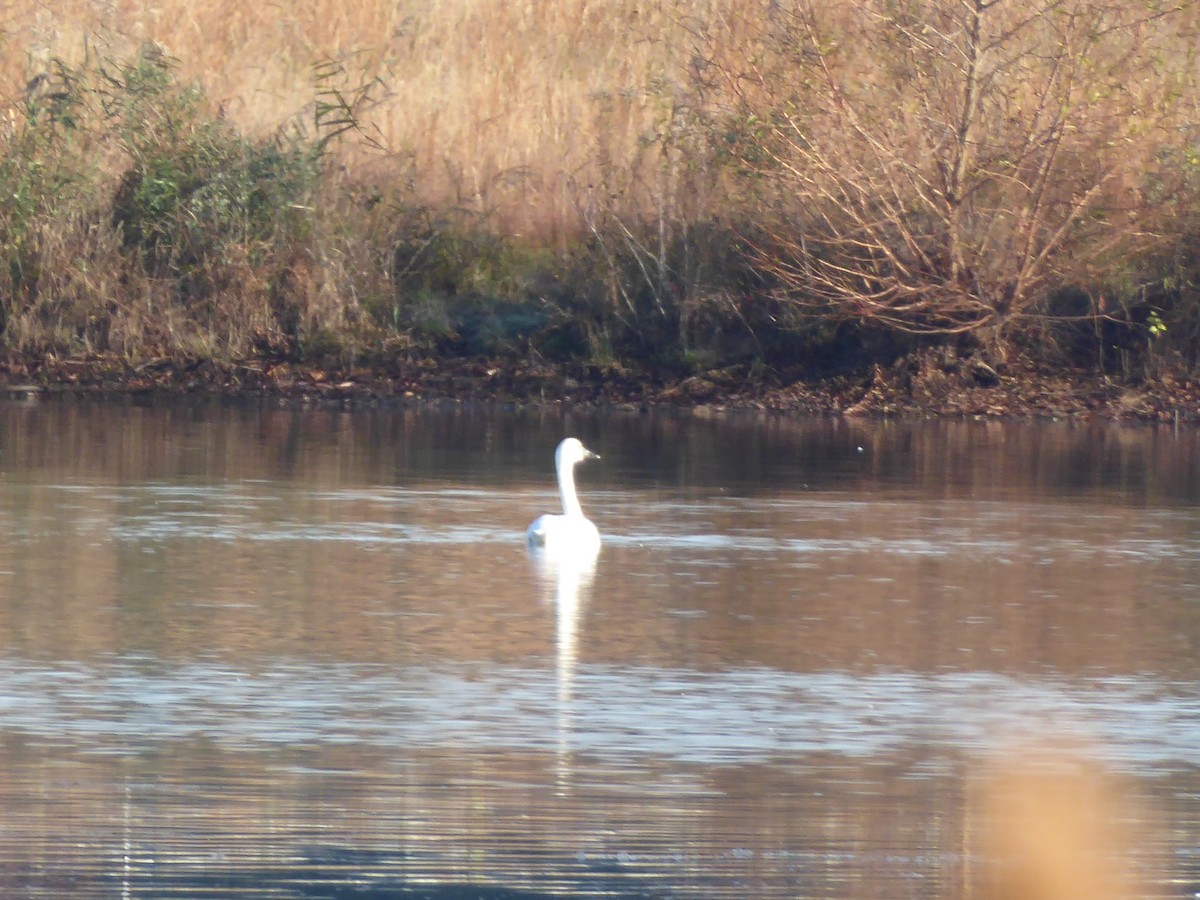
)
(919, 385)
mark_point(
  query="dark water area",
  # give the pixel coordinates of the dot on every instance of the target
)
(250, 651)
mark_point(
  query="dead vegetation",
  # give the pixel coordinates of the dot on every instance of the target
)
(676, 189)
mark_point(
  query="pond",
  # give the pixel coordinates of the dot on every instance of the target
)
(257, 651)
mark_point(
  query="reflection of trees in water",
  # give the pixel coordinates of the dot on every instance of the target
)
(443, 818)
(945, 543)
(479, 446)
(247, 537)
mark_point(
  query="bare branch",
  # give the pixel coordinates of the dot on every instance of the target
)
(947, 160)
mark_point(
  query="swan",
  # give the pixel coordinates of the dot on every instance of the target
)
(572, 531)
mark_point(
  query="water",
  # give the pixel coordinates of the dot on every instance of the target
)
(262, 652)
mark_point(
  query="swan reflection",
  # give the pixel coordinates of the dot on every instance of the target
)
(566, 580)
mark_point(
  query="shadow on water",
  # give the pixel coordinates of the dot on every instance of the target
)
(332, 873)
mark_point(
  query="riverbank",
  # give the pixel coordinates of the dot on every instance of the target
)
(920, 384)
(663, 250)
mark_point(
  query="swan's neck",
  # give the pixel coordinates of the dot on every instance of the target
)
(566, 490)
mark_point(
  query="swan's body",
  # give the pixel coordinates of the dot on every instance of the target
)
(572, 531)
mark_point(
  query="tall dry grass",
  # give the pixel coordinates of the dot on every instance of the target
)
(593, 161)
(527, 111)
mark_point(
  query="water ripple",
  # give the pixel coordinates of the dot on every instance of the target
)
(612, 713)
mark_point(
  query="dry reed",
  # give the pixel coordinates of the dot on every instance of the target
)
(525, 111)
(604, 140)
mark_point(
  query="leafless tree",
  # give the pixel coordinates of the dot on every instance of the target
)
(945, 163)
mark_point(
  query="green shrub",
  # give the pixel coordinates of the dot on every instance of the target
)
(196, 187)
(50, 241)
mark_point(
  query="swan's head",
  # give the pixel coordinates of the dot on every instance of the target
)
(572, 451)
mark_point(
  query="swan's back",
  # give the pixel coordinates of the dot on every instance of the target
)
(554, 532)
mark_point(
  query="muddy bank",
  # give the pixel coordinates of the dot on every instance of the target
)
(924, 384)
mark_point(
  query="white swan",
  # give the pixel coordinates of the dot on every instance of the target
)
(572, 531)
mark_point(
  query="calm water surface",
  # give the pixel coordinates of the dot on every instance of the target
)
(262, 652)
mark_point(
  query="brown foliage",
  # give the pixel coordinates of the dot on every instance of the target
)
(943, 164)
(925, 165)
